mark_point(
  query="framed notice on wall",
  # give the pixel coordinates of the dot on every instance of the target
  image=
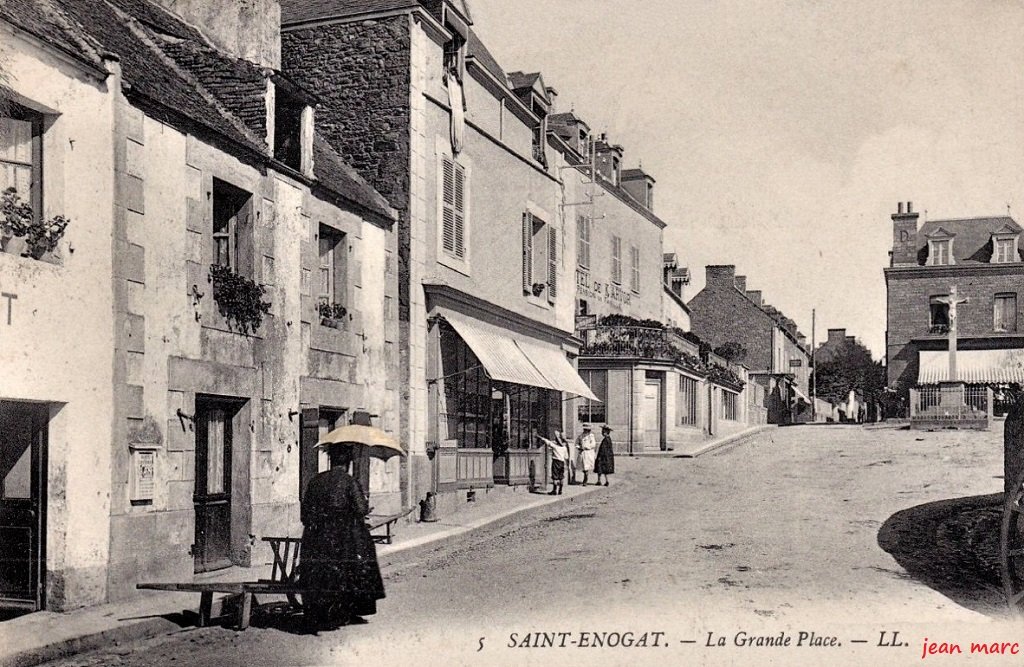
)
(142, 475)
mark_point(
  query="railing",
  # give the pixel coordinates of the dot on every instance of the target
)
(938, 329)
(626, 341)
(951, 404)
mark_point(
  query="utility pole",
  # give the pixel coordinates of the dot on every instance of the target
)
(814, 369)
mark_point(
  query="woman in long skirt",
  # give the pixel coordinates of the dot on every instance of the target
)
(605, 462)
(339, 558)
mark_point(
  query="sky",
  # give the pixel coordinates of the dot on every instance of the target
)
(782, 134)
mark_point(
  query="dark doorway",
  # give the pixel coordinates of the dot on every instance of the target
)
(316, 422)
(214, 424)
(23, 440)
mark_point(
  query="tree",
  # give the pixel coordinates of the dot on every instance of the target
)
(731, 351)
(851, 367)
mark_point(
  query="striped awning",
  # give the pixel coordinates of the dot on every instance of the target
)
(508, 358)
(972, 366)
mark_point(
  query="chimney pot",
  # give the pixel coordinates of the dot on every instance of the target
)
(910, 207)
(899, 207)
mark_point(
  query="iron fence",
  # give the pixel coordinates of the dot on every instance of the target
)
(952, 404)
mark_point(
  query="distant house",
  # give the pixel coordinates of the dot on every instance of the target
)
(776, 352)
(979, 257)
(835, 342)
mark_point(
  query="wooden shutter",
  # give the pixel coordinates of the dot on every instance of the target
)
(448, 206)
(460, 211)
(552, 263)
(616, 260)
(309, 435)
(527, 253)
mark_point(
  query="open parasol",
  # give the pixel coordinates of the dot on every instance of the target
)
(380, 444)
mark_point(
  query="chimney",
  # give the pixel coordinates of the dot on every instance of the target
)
(756, 296)
(720, 275)
(247, 29)
(741, 284)
(904, 236)
(609, 160)
(836, 335)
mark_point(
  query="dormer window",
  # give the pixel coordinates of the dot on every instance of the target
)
(940, 248)
(1004, 248)
(293, 129)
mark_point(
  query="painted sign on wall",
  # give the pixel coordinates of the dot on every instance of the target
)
(594, 290)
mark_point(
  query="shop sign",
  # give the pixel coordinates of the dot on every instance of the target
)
(594, 290)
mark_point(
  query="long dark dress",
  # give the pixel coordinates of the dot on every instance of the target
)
(605, 462)
(338, 554)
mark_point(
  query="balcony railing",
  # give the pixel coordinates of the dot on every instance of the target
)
(626, 341)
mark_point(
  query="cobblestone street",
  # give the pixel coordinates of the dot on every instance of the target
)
(785, 533)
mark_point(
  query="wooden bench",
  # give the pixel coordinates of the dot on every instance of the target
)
(385, 521)
(283, 575)
(282, 581)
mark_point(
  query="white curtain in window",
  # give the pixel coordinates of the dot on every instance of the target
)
(215, 452)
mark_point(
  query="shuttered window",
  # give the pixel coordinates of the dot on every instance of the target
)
(634, 265)
(616, 260)
(552, 263)
(527, 253)
(583, 241)
(453, 213)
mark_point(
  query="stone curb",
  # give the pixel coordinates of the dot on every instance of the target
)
(730, 441)
(400, 555)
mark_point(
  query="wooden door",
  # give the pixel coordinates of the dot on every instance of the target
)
(212, 498)
(651, 415)
(23, 439)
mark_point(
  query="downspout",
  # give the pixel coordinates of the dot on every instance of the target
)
(632, 393)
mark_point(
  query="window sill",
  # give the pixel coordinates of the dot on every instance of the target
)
(454, 263)
(17, 247)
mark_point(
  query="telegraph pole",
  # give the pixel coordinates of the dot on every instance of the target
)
(814, 370)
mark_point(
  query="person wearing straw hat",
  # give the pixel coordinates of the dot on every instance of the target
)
(339, 557)
(604, 464)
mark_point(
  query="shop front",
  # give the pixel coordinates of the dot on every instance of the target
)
(493, 390)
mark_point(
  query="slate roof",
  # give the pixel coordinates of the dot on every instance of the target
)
(519, 80)
(168, 66)
(972, 242)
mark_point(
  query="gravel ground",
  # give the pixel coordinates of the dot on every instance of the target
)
(838, 531)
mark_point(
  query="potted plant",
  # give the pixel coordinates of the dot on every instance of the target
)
(19, 222)
(239, 299)
(332, 314)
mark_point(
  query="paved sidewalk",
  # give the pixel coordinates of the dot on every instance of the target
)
(44, 636)
(696, 449)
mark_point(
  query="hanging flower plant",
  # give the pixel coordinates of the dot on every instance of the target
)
(331, 314)
(239, 299)
(19, 221)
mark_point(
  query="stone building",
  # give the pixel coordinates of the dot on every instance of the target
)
(485, 256)
(835, 342)
(980, 259)
(654, 389)
(725, 311)
(221, 294)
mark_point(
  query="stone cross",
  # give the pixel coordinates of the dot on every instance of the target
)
(952, 300)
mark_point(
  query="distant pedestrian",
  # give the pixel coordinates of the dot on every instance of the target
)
(559, 455)
(605, 462)
(586, 452)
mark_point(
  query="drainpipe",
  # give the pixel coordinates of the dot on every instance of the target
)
(632, 391)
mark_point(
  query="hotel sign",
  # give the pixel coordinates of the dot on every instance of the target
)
(594, 290)
(793, 363)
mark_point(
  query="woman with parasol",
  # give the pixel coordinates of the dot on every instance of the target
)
(339, 558)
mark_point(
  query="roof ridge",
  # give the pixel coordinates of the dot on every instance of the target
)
(135, 26)
(77, 32)
(976, 217)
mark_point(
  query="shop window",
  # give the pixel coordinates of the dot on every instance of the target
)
(232, 228)
(21, 155)
(729, 405)
(529, 409)
(1004, 313)
(453, 208)
(583, 241)
(590, 411)
(333, 282)
(616, 260)
(472, 410)
(938, 317)
(686, 401)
